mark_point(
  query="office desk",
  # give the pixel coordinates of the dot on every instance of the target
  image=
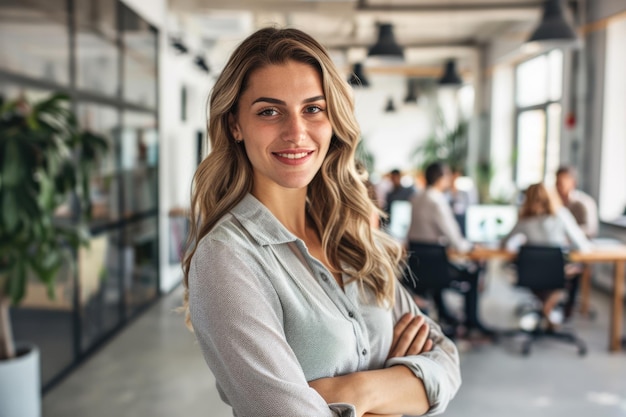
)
(612, 254)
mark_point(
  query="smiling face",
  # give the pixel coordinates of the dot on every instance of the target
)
(282, 120)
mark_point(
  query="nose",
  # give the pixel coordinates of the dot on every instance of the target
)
(294, 128)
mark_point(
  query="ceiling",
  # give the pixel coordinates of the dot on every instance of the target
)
(430, 30)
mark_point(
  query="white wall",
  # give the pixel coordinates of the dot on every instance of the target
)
(393, 137)
(177, 138)
(390, 137)
(178, 146)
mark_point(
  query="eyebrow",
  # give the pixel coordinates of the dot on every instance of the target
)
(281, 102)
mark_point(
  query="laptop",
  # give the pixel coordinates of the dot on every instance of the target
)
(489, 223)
(400, 215)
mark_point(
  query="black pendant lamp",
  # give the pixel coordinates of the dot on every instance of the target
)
(450, 76)
(553, 27)
(411, 92)
(201, 63)
(386, 46)
(179, 46)
(390, 108)
(357, 78)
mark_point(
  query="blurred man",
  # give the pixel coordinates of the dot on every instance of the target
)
(582, 206)
(432, 221)
(432, 218)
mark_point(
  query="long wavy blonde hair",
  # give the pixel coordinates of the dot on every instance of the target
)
(337, 200)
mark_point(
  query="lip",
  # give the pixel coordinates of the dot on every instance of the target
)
(293, 156)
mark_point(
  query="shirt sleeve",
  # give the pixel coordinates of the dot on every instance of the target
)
(586, 213)
(448, 227)
(593, 221)
(237, 319)
(439, 369)
(517, 230)
(574, 233)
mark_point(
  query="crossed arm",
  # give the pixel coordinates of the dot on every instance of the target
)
(390, 391)
(245, 346)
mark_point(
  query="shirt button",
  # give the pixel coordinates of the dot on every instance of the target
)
(364, 352)
(324, 278)
(351, 314)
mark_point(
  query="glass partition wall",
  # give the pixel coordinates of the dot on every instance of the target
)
(105, 57)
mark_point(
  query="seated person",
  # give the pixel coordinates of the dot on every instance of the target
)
(542, 222)
(582, 206)
(432, 221)
(398, 192)
(461, 197)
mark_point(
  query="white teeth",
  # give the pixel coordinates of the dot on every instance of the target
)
(293, 155)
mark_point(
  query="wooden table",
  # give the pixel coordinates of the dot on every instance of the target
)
(609, 254)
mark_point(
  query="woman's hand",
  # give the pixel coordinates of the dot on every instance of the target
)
(341, 389)
(410, 337)
(381, 415)
(344, 389)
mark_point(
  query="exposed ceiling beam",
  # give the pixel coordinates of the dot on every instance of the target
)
(470, 44)
(323, 6)
(442, 7)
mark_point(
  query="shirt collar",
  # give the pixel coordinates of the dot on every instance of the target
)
(260, 223)
(438, 196)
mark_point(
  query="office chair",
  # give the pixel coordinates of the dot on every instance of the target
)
(542, 268)
(432, 273)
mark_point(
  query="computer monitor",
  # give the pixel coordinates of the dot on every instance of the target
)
(400, 219)
(489, 223)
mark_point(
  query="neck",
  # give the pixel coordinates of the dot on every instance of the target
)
(438, 187)
(287, 205)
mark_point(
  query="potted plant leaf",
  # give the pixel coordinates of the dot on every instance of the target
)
(447, 144)
(45, 161)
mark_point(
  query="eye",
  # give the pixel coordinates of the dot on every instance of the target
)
(313, 109)
(268, 112)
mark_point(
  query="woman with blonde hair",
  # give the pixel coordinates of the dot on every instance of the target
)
(291, 294)
(544, 221)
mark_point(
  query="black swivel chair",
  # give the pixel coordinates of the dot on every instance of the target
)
(542, 268)
(432, 273)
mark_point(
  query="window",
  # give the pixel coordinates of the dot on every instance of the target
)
(538, 91)
(612, 201)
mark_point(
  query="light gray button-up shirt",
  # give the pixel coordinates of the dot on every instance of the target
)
(559, 229)
(432, 220)
(269, 317)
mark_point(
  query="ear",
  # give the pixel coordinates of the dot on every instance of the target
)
(234, 127)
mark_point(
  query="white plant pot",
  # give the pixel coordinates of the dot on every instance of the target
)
(20, 385)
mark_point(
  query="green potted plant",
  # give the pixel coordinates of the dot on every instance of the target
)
(444, 144)
(45, 161)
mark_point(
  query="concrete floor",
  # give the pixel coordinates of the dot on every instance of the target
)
(154, 368)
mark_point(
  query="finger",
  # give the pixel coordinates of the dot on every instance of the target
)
(406, 338)
(428, 346)
(417, 346)
(399, 328)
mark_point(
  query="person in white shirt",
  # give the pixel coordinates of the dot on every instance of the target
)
(542, 222)
(432, 221)
(582, 206)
